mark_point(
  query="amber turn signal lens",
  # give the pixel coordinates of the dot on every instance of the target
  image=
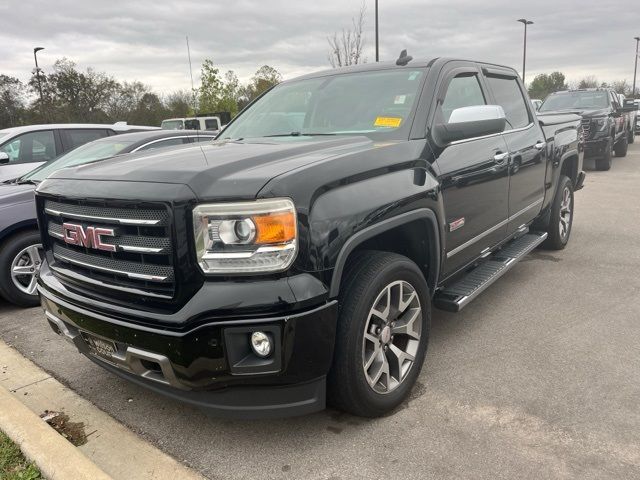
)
(275, 228)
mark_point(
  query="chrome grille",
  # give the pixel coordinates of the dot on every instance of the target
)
(142, 263)
(586, 127)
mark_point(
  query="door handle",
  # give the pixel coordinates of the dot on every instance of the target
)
(540, 145)
(501, 157)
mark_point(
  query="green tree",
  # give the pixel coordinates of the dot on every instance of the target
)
(231, 94)
(149, 111)
(588, 82)
(621, 86)
(74, 96)
(12, 102)
(264, 78)
(179, 103)
(210, 91)
(125, 100)
(544, 84)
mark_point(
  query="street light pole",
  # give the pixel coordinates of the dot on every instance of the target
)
(35, 57)
(635, 69)
(377, 44)
(525, 22)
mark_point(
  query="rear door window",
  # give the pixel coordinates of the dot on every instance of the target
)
(76, 137)
(192, 124)
(31, 147)
(211, 124)
(509, 96)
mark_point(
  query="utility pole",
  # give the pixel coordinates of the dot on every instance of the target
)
(635, 69)
(35, 57)
(525, 22)
(377, 43)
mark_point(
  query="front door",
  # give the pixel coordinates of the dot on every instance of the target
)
(474, 178)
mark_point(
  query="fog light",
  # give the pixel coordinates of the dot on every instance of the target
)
(261, 344)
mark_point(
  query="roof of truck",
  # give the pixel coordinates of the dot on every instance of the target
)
(390, 65)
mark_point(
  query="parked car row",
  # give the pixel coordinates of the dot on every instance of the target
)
(608, 121)
(20, 255)
(24, 148)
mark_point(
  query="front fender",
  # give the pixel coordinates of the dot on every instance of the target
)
(16, 217)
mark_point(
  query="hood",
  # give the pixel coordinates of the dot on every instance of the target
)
(11, 194)
(587, 113)
(222, 169)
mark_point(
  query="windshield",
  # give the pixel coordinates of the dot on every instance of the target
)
(86, 153)
(583, 100)
(378, 104)
(172, 125)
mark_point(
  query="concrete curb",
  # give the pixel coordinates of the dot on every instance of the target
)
(54, 455)
(112, 450)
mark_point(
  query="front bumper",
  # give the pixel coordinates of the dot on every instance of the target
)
(210, 365)
(596, 148)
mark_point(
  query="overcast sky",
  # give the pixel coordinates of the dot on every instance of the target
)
(145, 39)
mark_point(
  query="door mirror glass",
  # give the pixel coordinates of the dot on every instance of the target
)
(4, 158)
(471, 122)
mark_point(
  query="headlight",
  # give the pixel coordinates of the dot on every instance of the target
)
(247, 237)
(600, 123)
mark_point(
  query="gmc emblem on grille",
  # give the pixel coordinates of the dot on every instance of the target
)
(90, 237)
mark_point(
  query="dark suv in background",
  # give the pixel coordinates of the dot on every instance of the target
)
(604, 121)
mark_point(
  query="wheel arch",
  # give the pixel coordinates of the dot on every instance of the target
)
(18, 227)
(387, 235)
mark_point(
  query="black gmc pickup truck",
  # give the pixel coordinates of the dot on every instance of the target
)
(297, 257)
(606, 124)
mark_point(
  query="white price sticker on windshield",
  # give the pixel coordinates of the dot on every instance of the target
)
(400, 99)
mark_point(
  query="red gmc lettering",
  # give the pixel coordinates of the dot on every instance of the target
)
(91, 237)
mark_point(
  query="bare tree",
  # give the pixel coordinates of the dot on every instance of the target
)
(346, 47)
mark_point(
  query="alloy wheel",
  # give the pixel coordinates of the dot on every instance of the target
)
(24, 269)
(392, 336)
(565, 213)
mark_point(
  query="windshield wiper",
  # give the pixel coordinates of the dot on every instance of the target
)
(298, 134)
(27, 182)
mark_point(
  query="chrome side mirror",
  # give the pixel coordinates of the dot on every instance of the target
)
(471, 122)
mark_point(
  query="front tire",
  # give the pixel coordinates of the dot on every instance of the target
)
(561, 220)
(622, 147)
(20, 260)
(382, 334)
(603, 164)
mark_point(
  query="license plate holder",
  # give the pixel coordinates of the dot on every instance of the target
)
(100, 347)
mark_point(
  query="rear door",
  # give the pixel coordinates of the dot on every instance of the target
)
(73, 138)
(473, 173)
(27, 151)
(526, 144)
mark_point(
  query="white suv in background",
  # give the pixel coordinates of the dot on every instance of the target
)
(192, 123)
(24, 148)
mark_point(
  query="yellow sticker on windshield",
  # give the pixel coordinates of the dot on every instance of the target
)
(388, 122)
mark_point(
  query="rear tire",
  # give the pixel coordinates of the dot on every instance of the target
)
(20, 253)
(561, 220)
(603, 164)
(382, 334)
(622, 147)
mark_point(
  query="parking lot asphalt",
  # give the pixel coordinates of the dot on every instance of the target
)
(537, 378)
